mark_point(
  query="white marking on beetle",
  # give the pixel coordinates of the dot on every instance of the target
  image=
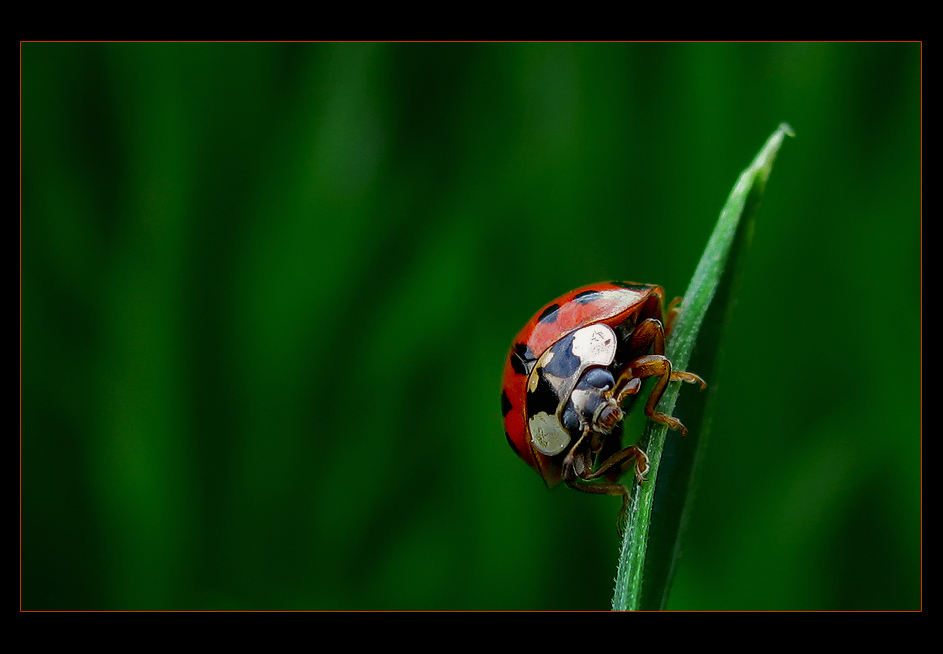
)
(534, 379)
(595, 345)
(548, 435)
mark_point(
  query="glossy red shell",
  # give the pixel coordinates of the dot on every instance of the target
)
(612, 303)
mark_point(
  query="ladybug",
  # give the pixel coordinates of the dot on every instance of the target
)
(571, 369)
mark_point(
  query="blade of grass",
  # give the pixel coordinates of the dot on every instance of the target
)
(643, 579)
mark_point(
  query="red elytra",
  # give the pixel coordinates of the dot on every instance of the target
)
(569, 371)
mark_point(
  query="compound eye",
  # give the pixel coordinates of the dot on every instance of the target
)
(596, 378)
(570, 419)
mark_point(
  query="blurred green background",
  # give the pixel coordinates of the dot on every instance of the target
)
(268, 289)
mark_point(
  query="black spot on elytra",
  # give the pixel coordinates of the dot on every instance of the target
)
(586, 297)
(506, 405)
(522, 359)
(549, 314)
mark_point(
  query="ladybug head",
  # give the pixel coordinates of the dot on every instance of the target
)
(591, 403)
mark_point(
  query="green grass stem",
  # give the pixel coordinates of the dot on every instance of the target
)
(650, 547)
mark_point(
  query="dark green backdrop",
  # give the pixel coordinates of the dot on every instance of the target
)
(267, 291)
